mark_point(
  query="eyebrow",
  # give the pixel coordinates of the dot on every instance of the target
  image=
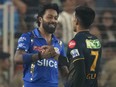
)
(52, 15)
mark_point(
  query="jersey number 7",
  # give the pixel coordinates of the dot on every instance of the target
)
(93, 66)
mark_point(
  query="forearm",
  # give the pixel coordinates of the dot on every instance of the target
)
(22, 57)
(79, 76)
(63, 67)
(64, 73)
(20, 5)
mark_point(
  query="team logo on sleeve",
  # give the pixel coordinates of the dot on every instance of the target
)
(72, 44)
(74, 53)
(21, 39)
(21, 45)
(57, 50)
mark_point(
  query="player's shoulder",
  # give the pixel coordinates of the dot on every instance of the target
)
(78, 37)
(85, 35)
(24, 36)
(27, 34)
(60, 42)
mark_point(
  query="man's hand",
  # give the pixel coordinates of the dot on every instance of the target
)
(47, 51)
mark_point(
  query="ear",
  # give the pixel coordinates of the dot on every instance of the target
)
(76, 23)
(40, 19)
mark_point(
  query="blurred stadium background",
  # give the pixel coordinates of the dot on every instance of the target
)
(19, 16)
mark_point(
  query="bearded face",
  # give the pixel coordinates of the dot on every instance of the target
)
(49, 21)
(49, 27)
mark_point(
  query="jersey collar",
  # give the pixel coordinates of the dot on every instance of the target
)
(38, 35)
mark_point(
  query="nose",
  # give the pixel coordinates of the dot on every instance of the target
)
(54, 20)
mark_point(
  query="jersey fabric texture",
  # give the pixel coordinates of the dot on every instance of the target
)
(45, 71)
(84, 49)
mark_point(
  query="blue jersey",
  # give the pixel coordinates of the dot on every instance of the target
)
(45, 73)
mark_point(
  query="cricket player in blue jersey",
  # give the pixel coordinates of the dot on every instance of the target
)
(40, 52)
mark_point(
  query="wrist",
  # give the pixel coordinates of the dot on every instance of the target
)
(36, 57)
(27, 58)
(56, 56)
(39, 56)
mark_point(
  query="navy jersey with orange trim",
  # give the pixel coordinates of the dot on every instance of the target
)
(84, 53)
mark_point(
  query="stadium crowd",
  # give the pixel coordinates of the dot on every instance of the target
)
(104, 27)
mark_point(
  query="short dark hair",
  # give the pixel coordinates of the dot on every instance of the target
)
(43, 8)
(85, 15)
(4, 55)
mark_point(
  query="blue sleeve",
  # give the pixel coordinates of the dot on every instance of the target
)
(63, 51)
(63, 61)
(24, 42)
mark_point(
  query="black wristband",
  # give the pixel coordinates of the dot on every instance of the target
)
(39, 56)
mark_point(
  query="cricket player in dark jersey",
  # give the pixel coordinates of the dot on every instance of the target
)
(84, 51)
(40, 52)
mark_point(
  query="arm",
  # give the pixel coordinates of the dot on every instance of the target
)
(20, 57)
(79, 77)
(63, 64)
(20, 5)
(22, 54)
(77, 63)
(62, 60)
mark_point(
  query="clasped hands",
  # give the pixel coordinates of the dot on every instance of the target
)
(47, 51)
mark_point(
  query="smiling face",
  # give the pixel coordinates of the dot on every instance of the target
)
(49, 20)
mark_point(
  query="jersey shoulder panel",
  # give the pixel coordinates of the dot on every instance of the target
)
(24, 41)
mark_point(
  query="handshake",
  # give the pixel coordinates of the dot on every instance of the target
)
(46, 51)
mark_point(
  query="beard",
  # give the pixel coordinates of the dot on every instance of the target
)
(49, 27)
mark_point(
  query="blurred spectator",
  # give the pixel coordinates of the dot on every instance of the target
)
(105, 4)
(59, 31)
(17, 78)
(16, 16)
(108, 51)
(4, 67)
(114, 1)
(65, 18)
(107, 27)
(27, 10)
(90, 3)
(42, 2)
(108, 76)
(1, 43)
(95, 31)
(17, 81)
